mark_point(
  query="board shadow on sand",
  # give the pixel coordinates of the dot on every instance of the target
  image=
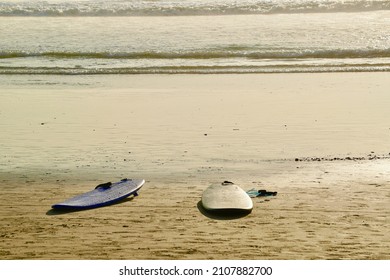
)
(225, 214)
(54, 212)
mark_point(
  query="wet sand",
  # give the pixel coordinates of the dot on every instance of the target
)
(319, 140)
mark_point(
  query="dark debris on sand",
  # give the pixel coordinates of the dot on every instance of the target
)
(371, 156)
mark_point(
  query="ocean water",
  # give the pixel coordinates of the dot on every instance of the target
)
(193, 36)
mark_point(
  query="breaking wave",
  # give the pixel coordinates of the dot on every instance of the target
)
(201, 62)
(196, 70)
(184, 8)
(223, 53)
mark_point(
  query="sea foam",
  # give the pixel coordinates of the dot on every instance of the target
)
(184, 8)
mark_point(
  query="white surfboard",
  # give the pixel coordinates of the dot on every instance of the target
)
(226, 197)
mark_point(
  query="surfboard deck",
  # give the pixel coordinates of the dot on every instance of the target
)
(103, 195)
(226, 197)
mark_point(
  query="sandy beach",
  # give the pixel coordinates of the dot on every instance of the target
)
(320, 140)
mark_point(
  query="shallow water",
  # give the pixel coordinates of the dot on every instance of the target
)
(257, 36)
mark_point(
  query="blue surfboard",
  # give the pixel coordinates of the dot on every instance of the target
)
(102, 195)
